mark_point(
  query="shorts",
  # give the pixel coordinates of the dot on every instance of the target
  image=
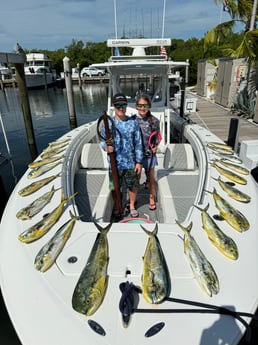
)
(146, 162)
(128, 177)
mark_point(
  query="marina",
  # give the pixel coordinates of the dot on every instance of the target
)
(76, 168)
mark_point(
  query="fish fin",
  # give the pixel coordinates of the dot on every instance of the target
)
(104, 230)
(70, 197)
(185, 229)
(153, 232)
(62, 195)
(73, 216)
(202, 209)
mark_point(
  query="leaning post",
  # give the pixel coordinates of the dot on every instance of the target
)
(69, 91)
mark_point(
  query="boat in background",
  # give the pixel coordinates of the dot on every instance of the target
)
(48, 256)
(38, 71)
(5, 72)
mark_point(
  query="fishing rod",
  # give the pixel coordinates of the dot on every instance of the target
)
(154, 140)
(109, 141)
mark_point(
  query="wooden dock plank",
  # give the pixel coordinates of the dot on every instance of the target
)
(217, 119)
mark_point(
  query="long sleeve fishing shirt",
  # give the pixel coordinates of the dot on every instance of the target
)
(127, 142)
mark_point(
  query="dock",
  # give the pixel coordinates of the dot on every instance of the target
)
(217, 119)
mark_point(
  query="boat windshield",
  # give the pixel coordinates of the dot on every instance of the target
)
(154, 86)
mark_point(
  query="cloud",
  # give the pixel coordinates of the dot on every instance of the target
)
(52, 24)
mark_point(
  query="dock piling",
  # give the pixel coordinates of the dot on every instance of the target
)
(69, 91)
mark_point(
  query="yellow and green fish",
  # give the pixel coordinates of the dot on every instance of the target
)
(229, 174)
(92, 284)
(201, 267)
(235, 167)
(51, 250)
(41, 162)
(45, 224)
(225, 244)
(232, 191)
(233, 217)
(155, 278)
(36, 206)
(35, 186)
(36, 172)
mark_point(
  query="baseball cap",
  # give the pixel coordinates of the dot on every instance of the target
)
(119, 98)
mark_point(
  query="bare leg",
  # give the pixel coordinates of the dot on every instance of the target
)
(132, 198)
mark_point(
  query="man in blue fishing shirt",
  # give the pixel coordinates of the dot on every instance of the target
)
(127, 145)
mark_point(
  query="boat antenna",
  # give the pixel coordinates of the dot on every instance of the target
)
(115, 19)
(163, 19)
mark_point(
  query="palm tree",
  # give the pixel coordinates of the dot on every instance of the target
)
(245, 12)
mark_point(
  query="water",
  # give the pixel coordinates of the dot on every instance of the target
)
(50, 120)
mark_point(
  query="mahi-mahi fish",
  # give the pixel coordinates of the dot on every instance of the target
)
(155, 277)
(45, 224)
(35, 186)
(52, 152)
(235, 167)
(201, 267)
(230, 158)
(232, 191)
(51, 250)
(36, 206)
(234, 217)
(229, 174)
(217, 145)
(42, 170)
(41, 162)
(92, 284)
(225, 244)
(59, 142)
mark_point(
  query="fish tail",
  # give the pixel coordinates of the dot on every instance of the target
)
(104, 230)
(55, 190)
(64, 199)
(71, 196)
(186, 229)
(73, 216)
(207, 191)
(153, 232)
(202, 209)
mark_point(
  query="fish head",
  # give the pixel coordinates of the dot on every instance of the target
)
(93, 300)
(23, 215)
(88, 299)
(42, 263)
(154, 294)
(232, 253)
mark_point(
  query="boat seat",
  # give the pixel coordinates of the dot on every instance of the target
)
(94, 199)
(177, 182)
(179, 157)
(93, 157)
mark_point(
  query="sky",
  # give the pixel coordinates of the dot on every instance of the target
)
(53, 24)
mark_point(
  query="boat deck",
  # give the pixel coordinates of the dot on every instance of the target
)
(176, 188)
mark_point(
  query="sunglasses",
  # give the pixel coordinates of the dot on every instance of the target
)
(120, 106)
(143, 105)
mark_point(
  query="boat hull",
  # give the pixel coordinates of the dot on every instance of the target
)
(39, 80)
(48, 296)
